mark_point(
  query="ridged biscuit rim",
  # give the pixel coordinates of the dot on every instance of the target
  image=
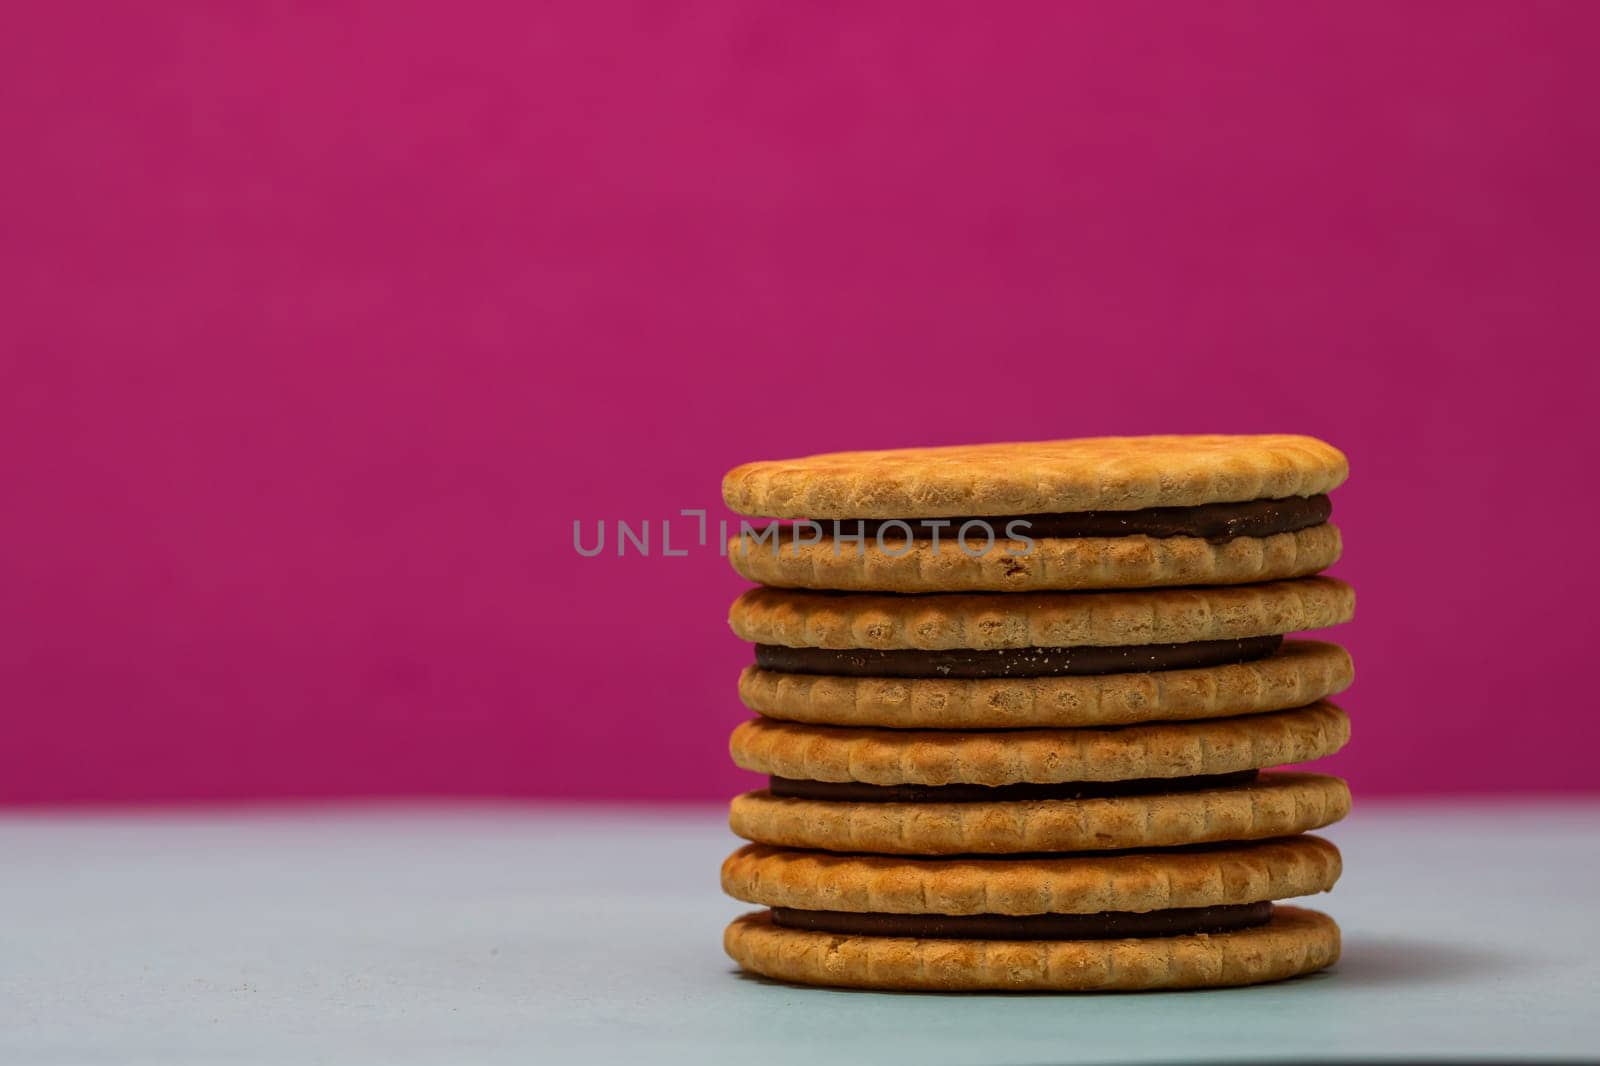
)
(1041, 756)
(1300, 673)
(1276, 804)
(1138, 882)
(942, 621)
(1063, 564)
(1296, 941)
(1038, 477)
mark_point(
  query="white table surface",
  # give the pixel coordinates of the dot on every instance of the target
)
(517, 935)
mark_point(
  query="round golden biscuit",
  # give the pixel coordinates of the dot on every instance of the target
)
(1299, 673)
(1138, 881)
(1275, 804)
(1064, 563)
(1040, 477)
(942, 621)
(1296, 941)
(1039, 756)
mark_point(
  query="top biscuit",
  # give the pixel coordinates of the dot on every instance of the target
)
(1045, 477)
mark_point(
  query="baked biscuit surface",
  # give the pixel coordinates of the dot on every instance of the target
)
(1079, 884)
(944, 757)
(1038, 619)
(1275, 804)
(1299, 673)
(1296, 941)
(1061, 564)
(1099, 473)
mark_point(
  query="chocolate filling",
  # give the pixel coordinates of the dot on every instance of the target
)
(970, 663)
(860, 792)
(1107, 925)
(1213, 521)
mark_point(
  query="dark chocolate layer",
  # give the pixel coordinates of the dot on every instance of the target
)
(1213, 521)
(1013, 662)
(859, 792)
(1107, 925)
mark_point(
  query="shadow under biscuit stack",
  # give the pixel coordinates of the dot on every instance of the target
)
(1019, 709)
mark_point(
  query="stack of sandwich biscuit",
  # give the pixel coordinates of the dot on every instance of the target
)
(1019, 709)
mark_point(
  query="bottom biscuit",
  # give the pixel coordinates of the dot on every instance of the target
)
(1296, 941)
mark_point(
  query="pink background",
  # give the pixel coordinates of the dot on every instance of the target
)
(320, 328)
